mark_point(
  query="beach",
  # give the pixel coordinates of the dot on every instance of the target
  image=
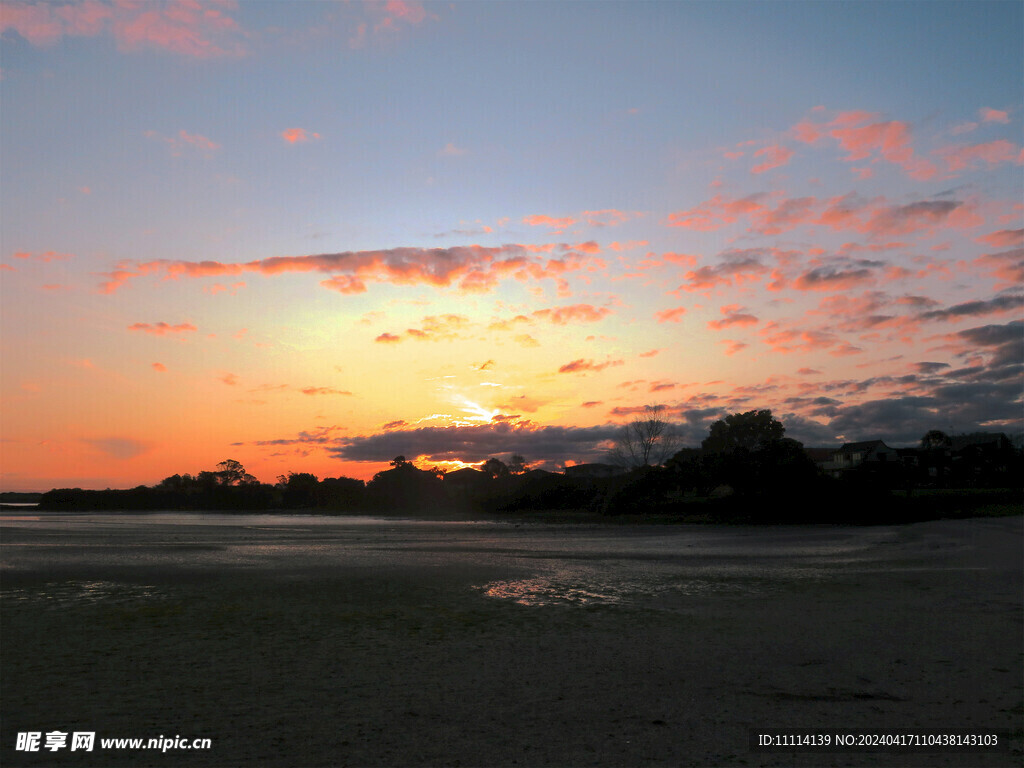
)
(298, 641)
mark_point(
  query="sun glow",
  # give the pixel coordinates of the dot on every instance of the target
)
(478, 414)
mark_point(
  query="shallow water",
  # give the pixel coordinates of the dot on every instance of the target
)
(539, 564)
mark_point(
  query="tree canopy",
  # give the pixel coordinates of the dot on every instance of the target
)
(743, 431)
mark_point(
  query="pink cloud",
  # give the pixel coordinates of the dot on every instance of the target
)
(788, 214)
(470, 268)
(670, 315)
(1006, 266)
(732, 347)
(161, 328)
(807, 132)
(297, 135)
(324, 391)
(581, 365)
(649, 353)
(387, 19)
(230, 379)
(45, 258)
(628, 245)
(963, 157)
(792, 340)
(990, 115)
(388, 338)
(549, 221)
(876, 218)
(160, 367)
(733, 315)
(913, 217)
(184, 27)
(216, 288)
(608, 217)
(864, 136)
(959, 130)
(437, 328)
(184, 141)
(774, 156)
(736, 268)
(715, 213)
(1004, 238)
(411, 12)
(577, 313)
(590, 247)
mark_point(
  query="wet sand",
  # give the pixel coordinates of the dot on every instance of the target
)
(434, 646)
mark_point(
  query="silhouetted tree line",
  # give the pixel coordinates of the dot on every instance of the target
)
(228, 488)
(746, 470)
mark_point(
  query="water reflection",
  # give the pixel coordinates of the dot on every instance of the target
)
(547, 591)
(621, 587)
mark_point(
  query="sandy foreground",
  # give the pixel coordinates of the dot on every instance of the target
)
(300, 643)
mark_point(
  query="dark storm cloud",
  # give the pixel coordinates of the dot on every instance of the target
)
(927, 368)
(476, 443)
(1005, 341)
(896, 420)
(968, 308)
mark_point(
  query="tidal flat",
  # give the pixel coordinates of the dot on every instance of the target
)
(313, 641)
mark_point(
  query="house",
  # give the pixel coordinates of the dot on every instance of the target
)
(869, 452)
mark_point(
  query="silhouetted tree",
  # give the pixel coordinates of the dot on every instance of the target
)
(517, 464)
(935, 438)
(232, 472)
(403, 488)
(743, 431)
(495, 468)
(691, 470)
(646, 440)
(301, 489)
(342, 493)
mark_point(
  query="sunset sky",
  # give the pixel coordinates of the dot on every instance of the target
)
(311, 236)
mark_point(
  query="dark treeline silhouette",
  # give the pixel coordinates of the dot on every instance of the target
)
(746, 470)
